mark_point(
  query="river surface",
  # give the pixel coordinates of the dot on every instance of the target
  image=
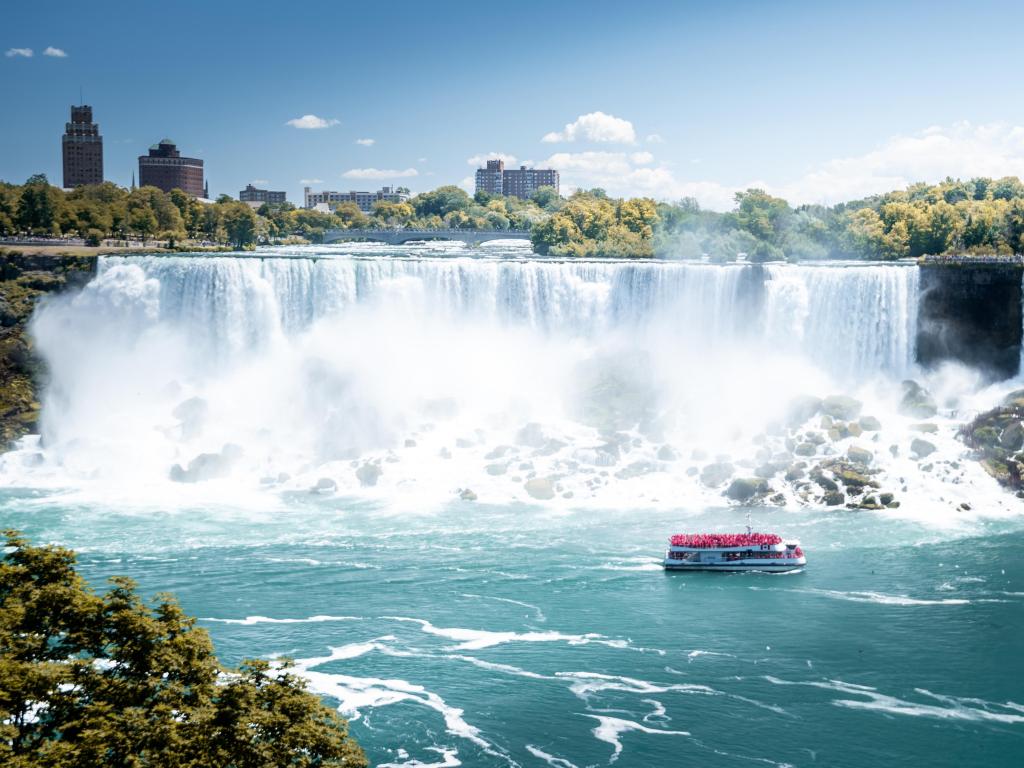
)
(512, 629)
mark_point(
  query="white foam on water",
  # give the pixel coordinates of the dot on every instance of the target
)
(358, 693)
(249, 621)
(538, 613)
(610, 730)
(554, 762)
(478, 639)
(969, 709)
(586, 684)
(657, 714)
(449, 759)
(881, 598)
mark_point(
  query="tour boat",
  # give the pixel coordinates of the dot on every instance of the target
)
(750, 551)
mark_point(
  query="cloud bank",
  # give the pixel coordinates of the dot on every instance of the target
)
(23, 52)
(379, 173)
(366, 142)
(481, 160)
(960, 150)
(57, 53)
(311, 122)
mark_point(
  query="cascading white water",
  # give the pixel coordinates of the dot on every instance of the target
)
(603, 381)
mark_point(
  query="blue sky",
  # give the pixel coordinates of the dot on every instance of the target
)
(814, 101)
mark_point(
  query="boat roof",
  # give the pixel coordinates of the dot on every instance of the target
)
(721, 540)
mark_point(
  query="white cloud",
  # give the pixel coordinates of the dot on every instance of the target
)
(654, 138)
(480, 160)
(366, 142)
(12, 52)
(311, 122)
(632, 175)
(596, 127)
(379, 173)
(57, 53)
(960, 150)
(311, 181)
(422, 160)
(468, 184)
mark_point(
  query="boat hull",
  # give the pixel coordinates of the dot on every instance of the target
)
(735, 567)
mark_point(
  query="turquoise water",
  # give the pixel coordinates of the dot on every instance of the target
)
(517, 635)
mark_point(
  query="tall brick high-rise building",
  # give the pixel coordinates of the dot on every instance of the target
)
(166, 169)
(494, 179)
(82, 148)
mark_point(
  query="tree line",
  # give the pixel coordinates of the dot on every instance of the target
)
(978, 216)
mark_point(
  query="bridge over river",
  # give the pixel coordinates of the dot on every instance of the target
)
(399, 236)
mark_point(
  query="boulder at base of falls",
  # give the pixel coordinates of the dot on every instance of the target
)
(531, 435)
(841, 407)
(667, 453)
(869, 424)
(497, 468)
(324, 485)
(989, 434)
(854, 476)
(927, 427)
(368, 474)
(207, 466)
(860, 455)
(467, 494)
(917, 402)
(802, 408)
(805, 449)
(921, 448)
(796, 471)
(714, 475)
(1012, 437)
(542, 488)
(636, 469)
(745, 488)
(833, 498)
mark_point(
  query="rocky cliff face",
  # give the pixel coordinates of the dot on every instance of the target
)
(971, 314)
(24, 280)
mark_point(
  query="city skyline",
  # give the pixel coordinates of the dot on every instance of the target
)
(705, 102)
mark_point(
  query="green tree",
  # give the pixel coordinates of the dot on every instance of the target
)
(142, 221)
(240, 223)
(107, 680)
(39, 206)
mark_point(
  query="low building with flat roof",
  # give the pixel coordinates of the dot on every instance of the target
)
(253, 195)
(365, 200)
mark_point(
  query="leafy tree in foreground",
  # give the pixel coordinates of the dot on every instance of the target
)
(90, 681)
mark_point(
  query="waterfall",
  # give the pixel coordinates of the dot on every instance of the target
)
(853, 321)
(279, 371)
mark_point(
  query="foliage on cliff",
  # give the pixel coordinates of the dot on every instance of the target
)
(592, 224)
(107, 211)
(23, 281)
(979, 216)
(110, 680)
